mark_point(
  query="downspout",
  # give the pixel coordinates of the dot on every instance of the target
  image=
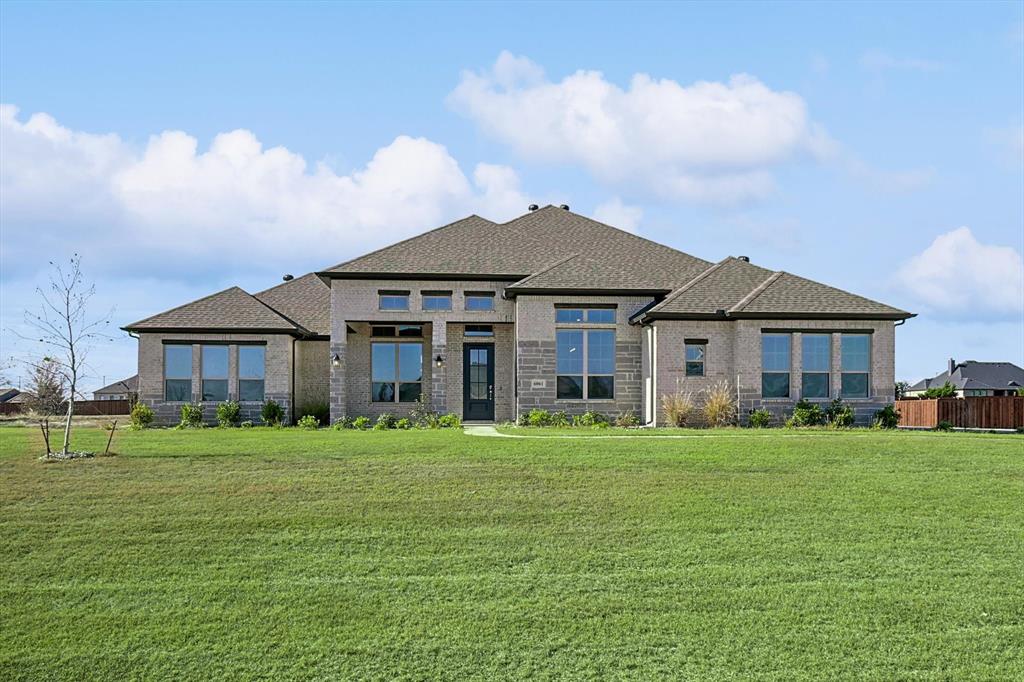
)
(292, 387)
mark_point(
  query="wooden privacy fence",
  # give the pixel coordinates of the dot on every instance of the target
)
(989, 412)
(84, 408)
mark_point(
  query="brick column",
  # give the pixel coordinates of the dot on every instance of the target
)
(438, 346)
(339, 375)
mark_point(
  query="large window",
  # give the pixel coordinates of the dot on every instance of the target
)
(817, 362)
(775, 360)
(177, 373)
(215, 373)
(695, 358)
(397, 372)
(480, 301)
(856, 361)
(437, 300)
(585, 364)
(394, 300)
(251, 372)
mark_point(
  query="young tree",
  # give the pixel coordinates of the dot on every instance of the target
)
(46, 384)
(62, 325)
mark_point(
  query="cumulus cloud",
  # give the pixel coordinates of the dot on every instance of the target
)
(708, 141)
(233, 203)
(880, 60)
(959, 276)
(617, 214)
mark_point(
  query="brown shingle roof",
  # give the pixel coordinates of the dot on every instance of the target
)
(792, 295)
(229, 310)
(129, 385)
(305, 300)
(719, 287)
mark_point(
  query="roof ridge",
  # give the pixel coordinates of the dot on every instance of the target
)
(544, 270)
(280, 314)
(757, 291)
(291, 281)
(704, 274)
(184, 305)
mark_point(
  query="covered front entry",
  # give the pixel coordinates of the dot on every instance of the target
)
(478, 382)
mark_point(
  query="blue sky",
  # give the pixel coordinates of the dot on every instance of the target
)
(875, 147)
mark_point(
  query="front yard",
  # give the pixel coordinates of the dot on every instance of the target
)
(240, 554)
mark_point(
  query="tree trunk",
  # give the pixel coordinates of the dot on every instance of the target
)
(67, 424)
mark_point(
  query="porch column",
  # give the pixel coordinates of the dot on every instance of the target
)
(438, 346)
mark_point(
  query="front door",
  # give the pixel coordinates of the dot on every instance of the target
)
(478, 382)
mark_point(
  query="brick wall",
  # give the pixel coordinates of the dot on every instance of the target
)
(504, 369)
(312, 372)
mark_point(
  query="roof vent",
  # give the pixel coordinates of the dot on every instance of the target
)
(564, 207)
(287, 278)
(533, 207)
(745, 259)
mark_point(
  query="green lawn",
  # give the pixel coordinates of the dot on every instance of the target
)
(435, 555)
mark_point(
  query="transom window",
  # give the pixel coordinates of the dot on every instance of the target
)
(215, 373)
(251, 373)
(389, 330)
(394, 300)
(480, 301)
(695, 349)
(589, 315)
(775, 362)
(585, 364)
(855, 351)
(816, 354)
(479, 330)
(177, 372)
(437, 300)
(397, 372)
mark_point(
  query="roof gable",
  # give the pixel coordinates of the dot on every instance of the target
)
(231, 309)
(720, 287)
(789, 294)
(305, 300)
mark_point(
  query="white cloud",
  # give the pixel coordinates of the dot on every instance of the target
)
(171, 207)
(1010, 142)
(617, 214)
(708, 141)
(960, 277)
(879, 60)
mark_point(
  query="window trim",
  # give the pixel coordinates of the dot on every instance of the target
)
(789, 367)
(586, 373)
(397, 342)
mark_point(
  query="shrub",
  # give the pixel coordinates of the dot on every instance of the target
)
(1020, 391)
(344, 422)
(361, 423)
(840, 415)
(403, 424)
(946, 390)
(247, 424)
(807, 414)
(560, 418)
(142, 416)
(538, 417)
(591, 418)
(760, 419)
(384, 422)
(423, 415)
(272, 413)
(677, 408)
(627, 420)
(449, 421)
(322, 412)
(887, 418)
(229, 413)
(944, 426)
(719, 405)
(308, 422)
(191, 416)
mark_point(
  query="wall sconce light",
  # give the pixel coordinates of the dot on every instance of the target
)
(438, 361)
(336, 360)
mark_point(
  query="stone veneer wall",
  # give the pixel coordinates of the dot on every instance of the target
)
(537, 358)
(277, 380)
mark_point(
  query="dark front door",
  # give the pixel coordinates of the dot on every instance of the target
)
(478, 381)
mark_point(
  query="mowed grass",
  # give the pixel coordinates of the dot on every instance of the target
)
(434, 555)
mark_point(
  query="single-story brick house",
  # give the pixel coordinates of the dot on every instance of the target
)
(550, 310)
(972, 379)
(125, 389)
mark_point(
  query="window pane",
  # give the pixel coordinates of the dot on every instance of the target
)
(178, 390)
(855, 385)
(600, 388)
(437, 302)
(570, 352)
(251, 362)
(775, 352)
(694, 369)
(570, 388)
(215, 362)
(412, 330)
(382, 331)
(178, 362)
(409, 393)
(694, 352)
(601, 315)
(215, 389)
(479, 303)
(384, 362)
(410, 362)
(855, 352)
(383, 392)
(817, 352)
(815, 385)
(775, 385)
(479, 330)
(394, 302)
(600, 352)
(568, 315)
(250, 389)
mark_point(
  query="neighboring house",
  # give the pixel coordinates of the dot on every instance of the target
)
(973, 378)
(119, 390)
(7, 392)
(21, 398)
(550, 310)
